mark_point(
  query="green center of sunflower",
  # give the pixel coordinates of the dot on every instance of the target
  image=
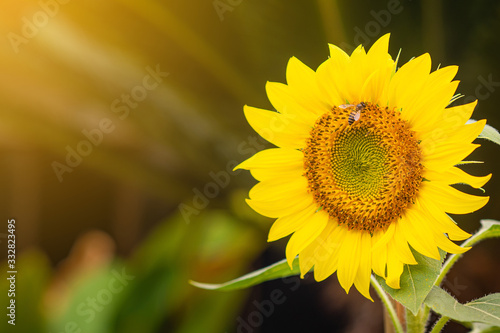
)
(358, 162)
(363, 166)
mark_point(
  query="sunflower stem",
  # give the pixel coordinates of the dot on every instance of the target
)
(415, 323)
(448, 264)
(426, 314)
(391, 311)
(440, 324)
(454, 257)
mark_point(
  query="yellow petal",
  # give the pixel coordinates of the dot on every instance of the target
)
(408, 80)
(328, 258)
(378, 53)
(394, 267)
(441, 157)
(433, 98)
(338, 55)
(427, 108)
(281, 130)
(349, 259)
(379, 255)
(403, 251)
(443, 75)
(385, 237)
(273, 158)
(438, 238)
(452, 200)
(455, 175)
(328, 75)
(279, 188)
(446, 245)
(375, 87)
(317, 251)
(331, 76)
(283, 100)
(357, 72)
(305, 263)
(305, 235)
(290, 223)
(275, 162)
(440, 219)
(272, 173)
(459, 135)
(437, 93)
(282, 206)
(457, 116)
(379, 72)
(468, 133)
(303, 86)
(416, 233)
(362, 279)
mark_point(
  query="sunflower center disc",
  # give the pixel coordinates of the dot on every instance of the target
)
(358, 162)
(363, 166)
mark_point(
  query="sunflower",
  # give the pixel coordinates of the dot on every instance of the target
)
(366, 157)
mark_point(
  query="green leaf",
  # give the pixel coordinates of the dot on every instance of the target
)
(277, 270)
(483, 328)
(489, 229)
(483, 310)
(416, 282)
(489, 133)
(163, 264)
(95, 284)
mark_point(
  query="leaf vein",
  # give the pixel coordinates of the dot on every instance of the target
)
(412, 284)
(485, 312)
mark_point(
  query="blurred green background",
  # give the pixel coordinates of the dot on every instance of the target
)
(107, 240)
